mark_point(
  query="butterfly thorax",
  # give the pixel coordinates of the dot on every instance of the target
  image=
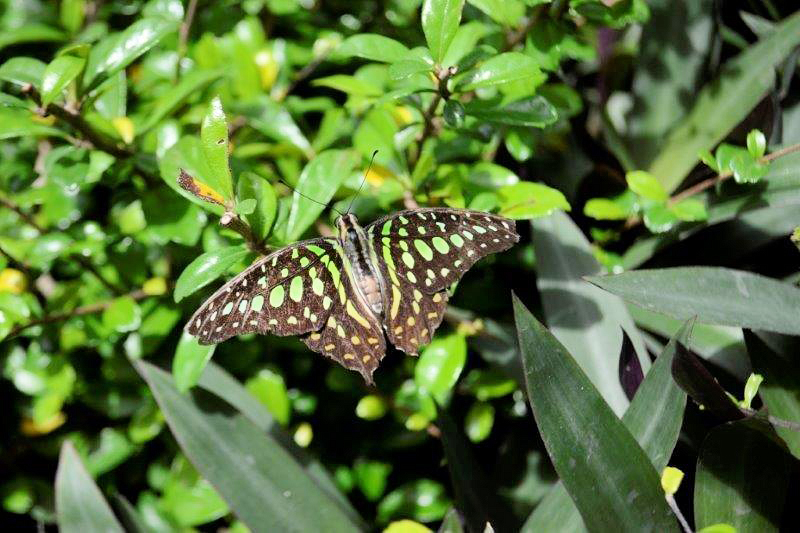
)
(365, 274)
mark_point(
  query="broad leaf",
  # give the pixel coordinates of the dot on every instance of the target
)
(440, 19)
(206, 268)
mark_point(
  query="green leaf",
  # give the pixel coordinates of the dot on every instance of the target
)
(190, 84)
(371, 478)
(263, 484)
(646, 185)
(505, 12)
(20, 123)
(371, 407)
(440, 364)
(274, 121)
(372, 46)
(119, 50)
(187, 154)
(123, 315)
(534, 111)
(348, 84)
(253, 186)
(190, 359)
(713, 295)
(317, 184)
(476, 493)
(588, 321)
(604, 209)
(440, 20)
(504, 68)
(659, 218)
(526, 200)
(214, 136)
(270, 389)
(609, 476)
(479, 421)
(29, 33)
(245, 207)
(746, 169)
(454, 113)
(22, 71)
(742, 477)
(58, 74)
(654, 419)
(725, 102)
(206, 268)
(406, 68)
(80, 505)
(781, 382)
(756, 143)
(690, 210)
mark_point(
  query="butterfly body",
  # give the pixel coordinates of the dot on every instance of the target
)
(345, 296)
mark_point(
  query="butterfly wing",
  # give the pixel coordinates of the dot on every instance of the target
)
(289, 292)
(421, 253)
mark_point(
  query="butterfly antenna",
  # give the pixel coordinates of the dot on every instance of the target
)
(308, 197)
(363, 180)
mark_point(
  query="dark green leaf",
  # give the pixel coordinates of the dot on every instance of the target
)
(214, 136)
(190, 84)
(714, 295)
(22, 123)
(609, 476)
(79, 503)
(742, 477)
(454, 113)
(206, 268)
(263, 484)
(29, 33)
(501, 69)
(23, 70)
(535, 112)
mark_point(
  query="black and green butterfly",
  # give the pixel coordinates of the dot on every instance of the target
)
(346, 295)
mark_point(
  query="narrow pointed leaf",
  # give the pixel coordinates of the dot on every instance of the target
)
(654, 418)
(58, 74)
(80, 506)
(608, 475)
(263, 484)
(742, 477)
(630, 370)
(588, 322)
(440, 19)
(715, 295)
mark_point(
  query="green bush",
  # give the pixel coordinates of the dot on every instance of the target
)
(647, 150)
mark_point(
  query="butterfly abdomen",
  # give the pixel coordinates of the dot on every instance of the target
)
(365, 274)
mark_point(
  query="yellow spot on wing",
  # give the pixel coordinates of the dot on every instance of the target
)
(351, 310)
(395, 301)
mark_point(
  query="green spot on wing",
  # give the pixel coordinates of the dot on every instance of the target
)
(296, 288)
(423, 249)
(258, 303)
(457, 240)
(440, 245)
(276, 296)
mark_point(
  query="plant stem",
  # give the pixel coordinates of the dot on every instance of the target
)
(675, 509)
(777, 422)
(233, 222)
(442, 76)
(138, 294)
(183, 35)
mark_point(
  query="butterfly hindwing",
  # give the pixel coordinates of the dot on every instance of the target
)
(432, 248)
(289, 292)
(351, 334)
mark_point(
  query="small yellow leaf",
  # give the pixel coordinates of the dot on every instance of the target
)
(303, 435)
(402, 116)
(125, 128)
(267, 68)
(406, 526)
(155, 286)
(671, 479)
(417, 422)
(48, 120)
(12, 280)
(378, 174)
(29, 428)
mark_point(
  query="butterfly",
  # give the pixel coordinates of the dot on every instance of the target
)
(346, 295)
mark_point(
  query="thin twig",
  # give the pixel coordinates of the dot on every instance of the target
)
(78, 311)
(233, 222)
(89, 266)
(8, 204)
(517, 37)
(677, 510)
(442, 75)
(183, 35)
(301, 75)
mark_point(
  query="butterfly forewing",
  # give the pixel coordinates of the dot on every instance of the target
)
(432, 248)
(288, 292)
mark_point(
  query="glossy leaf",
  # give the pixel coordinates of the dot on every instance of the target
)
(58, 74)
(190, 359)
(205, 269)
(21, 123)
(528, 200)
(374, 47)
(187, 155)
(440, 20)
(501, 69)
(608, 475)
(534, 111)
(122, 315)
(80, 505)
(319, 180)
(725, 102)
(587, 321)
(274, 121)
(30, 33)
(23, 70)
(440, 364)
(742, 477)
(270, 389)
(263, 484)
(714, 295)
(120, 50)
(214, 136)
(756, 143)
(190, 84)
(646, 185)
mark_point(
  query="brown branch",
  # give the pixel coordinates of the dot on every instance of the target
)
(78, 311)
(442, 76)
(89, 266)
(517, 37)
(301, 75)
(8, 204)
(233, 222)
